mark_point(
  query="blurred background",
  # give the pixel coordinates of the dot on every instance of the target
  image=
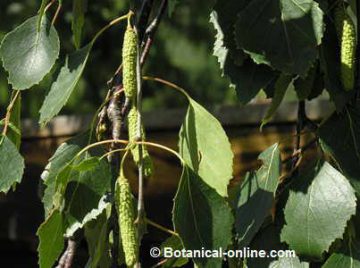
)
(182, 53)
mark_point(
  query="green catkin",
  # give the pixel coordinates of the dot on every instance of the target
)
(347, 36)
(129, 58)
(127, 227)
(132, 129)
(348, 51)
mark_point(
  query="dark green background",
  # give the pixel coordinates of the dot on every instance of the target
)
(182, 53)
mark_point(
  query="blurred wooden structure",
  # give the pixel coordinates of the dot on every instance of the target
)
(21, 212)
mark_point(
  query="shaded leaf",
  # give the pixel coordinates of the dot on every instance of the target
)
(51, 239)
(79, 9)
(267, 238)
(94, 213)
(201, 217)
(304, 85)
(246, 77)
(283, 34)
(281, 86)
(206, 148)
(11, 164)
(65, 84)
(322, 201)
(63, 155)
(39, 51)
(87, 164)
(286, 262)
(82, 192)
(173, 242)
(223, 18)
(347, 257)
(340, 136)
(97, 238)
(256, 196)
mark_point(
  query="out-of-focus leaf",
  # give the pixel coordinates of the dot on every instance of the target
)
(39, 51)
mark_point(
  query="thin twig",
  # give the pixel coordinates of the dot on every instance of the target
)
(151, 31)
(140, 206)
(162, 228)
(299, 127)
(301, 150)
(160, 263)
(49, 5)
(167, 83)
(8, 112)
(57, 12)
(147, 143)
(145, 11)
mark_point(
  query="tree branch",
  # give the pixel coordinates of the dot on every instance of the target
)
(300, 150)
(151, 31)
(67, 258)
(15, 95)
(143, 18)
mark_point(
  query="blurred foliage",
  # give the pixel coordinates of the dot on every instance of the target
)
(182, 53)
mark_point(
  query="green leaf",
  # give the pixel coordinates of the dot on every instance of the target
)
(201, 217)
(206, 148)
(87, 164)
(97, 238)
(94, 213)
(340, 137)
(173, 242)
(79, 9)
(330, 65)
(63, 155)
(223, 19)
(83, 194)
(11, 164)
(304, 86)
(281, 86)
(283, 34)
(256, 196)
(267, 238)
(246, 77)
(27, 54)
(286, 262)
(14, 132)
(322, 201)
(51, 240)
(347, 257)
(65, 84)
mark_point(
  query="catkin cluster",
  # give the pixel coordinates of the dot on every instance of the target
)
(347, 36)
(130, 87)
(129, 238)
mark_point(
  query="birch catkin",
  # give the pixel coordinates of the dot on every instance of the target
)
(128, 230)
(347, 36)
(132, 129)
(129, 56)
